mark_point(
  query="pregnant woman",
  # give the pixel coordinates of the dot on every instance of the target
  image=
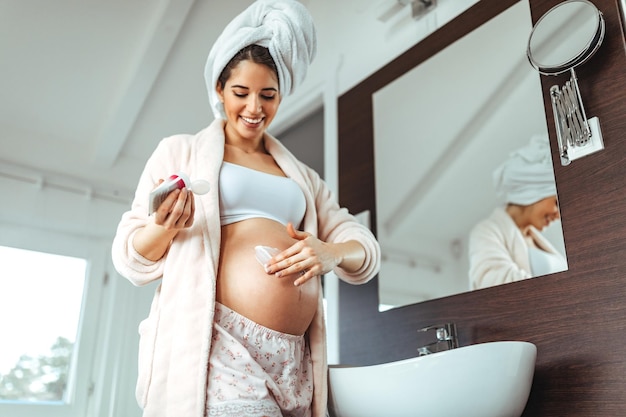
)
(236, 326)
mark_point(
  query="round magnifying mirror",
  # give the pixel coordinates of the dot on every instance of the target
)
(565, 37)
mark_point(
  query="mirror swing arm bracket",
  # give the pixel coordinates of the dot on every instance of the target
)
(577, 136)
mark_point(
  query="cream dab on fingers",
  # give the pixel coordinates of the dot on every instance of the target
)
(264, 254)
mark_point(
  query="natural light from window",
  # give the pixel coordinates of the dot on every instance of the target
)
(40, 305)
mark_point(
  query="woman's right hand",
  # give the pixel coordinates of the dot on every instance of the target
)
(177, 210)
(174, 214)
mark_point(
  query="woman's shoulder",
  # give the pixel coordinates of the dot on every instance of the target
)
(189, 140)
(497, 223)
(180, 139)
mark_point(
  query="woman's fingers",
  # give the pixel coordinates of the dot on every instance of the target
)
(177, 210)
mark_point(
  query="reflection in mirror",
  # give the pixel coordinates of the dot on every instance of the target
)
(508, 245)
(440, 131)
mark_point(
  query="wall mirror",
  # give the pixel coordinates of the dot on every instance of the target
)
(440, 130)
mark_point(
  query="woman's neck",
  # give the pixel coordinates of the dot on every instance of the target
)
(243, 144)
(518, 214)
(245, 147)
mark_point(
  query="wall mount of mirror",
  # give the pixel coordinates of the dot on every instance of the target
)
(565, 37)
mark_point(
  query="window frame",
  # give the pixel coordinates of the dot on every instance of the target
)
(80, 383)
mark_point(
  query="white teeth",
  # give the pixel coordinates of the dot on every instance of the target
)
(248, 120)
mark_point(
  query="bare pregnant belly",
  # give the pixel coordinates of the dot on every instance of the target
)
(244, 286)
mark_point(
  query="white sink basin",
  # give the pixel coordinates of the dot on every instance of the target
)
(482, 380)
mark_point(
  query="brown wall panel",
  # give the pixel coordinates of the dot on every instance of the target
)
(576, 318)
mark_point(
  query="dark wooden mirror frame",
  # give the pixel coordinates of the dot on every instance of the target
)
(576, 318)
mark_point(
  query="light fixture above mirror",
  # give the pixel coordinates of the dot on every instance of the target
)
(563, 38)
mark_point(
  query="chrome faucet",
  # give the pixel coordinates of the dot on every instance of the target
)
(446, 339)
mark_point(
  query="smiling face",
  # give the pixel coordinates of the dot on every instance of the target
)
(541, 213)
(251, 99)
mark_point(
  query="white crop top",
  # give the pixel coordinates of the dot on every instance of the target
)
(543, 263)
(246, 193)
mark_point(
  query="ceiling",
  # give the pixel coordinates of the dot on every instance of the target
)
(90, 87)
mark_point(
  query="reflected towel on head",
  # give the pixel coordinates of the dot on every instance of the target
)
(285, 27)
(527, 176)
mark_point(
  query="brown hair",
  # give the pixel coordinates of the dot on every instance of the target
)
(255, 53)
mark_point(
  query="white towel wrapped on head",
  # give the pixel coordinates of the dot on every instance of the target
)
(527, 176)
(285, 27)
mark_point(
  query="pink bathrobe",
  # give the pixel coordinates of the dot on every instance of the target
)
(175, 339)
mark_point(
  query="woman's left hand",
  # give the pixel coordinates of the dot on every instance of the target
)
(309, 257)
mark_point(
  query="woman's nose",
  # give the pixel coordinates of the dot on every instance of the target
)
(254, 103)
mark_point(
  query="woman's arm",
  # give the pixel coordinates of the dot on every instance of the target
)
(358, 248)
(140, 243)
(340, 244)
(175, 213)
(312, 257)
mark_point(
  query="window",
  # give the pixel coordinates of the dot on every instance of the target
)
(40, 302)
(51, 291)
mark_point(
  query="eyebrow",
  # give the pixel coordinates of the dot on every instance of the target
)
(247, 88)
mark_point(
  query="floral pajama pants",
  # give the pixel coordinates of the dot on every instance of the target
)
(255, 371)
